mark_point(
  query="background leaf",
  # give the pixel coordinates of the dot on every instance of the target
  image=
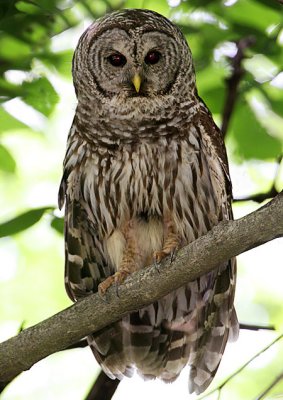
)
(22, 221)
(249, 138)
(58, 224)
(7, 162)
(40, 94)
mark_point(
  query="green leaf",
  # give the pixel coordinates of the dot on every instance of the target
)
(7, 162)
(22, 221)
(27, 7)
(160, 6)
(252, 14)
(9, 123)
(12, 49)
(274, 96)
(249, 139)
(41, 95)
(214, 99)
(134, 4)
(62, 61)
(8, 90)
(58, 224)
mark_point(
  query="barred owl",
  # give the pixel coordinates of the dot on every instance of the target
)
(146, 173)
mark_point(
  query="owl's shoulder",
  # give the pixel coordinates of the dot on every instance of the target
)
(213, 140)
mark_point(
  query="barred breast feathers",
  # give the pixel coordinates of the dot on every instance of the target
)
(118, 179)
(152, 176)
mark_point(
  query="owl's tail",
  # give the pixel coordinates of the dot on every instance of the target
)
(220, 324)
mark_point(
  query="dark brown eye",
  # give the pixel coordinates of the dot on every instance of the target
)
(152, 57)
(117, 60)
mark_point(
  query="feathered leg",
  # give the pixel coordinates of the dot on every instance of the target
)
(130, 260)
(172, 240)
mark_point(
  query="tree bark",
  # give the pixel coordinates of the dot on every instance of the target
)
(91, 314)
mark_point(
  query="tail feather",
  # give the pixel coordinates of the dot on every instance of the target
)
(199, 319)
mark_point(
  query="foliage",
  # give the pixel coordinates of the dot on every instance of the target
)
(37, 40)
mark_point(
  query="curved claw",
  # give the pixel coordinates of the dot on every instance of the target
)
(102, 294)
(158, 256)
(115, 279)
(117, 288)
(156, 264)
(172, 255)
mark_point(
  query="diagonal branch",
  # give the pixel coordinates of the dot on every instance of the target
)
(91, 314)
(220, 387)
(233, 81)
(103, 387)
(271, 386)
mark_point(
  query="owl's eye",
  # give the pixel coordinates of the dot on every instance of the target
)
(152, 57)
(117, 60)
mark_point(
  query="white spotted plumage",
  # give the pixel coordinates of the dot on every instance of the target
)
(137, 166)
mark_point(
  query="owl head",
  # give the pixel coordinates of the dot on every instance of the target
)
(133, 57)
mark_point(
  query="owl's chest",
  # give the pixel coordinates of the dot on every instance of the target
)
(132, 180)
(148, 180)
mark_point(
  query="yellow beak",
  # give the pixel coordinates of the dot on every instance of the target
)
(137, 82)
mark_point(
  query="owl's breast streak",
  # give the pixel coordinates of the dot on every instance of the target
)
(145, 186)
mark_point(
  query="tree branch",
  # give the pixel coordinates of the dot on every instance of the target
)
(103, 388)
(91, 314)
(272, 192)
(258, 197)
(234, 80)
(250, 327)
(271, 386)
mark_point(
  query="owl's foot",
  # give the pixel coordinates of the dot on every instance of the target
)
(171, 244)
(129, 263)
(116, 279)
(170, 247)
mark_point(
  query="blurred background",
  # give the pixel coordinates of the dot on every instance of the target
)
(237, 47)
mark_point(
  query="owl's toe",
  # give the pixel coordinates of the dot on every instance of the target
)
(158, 256)
(103, 286)
(117, 279)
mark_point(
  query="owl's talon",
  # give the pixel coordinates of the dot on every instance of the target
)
(105, 285)
(116, 279)
(102, 295)
(172, 255)
(159, 256)
(117, 289)
(156, 265)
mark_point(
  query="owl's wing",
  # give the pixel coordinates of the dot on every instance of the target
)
(217, 320)
(217, 141)
(85, 266)
(85, 269)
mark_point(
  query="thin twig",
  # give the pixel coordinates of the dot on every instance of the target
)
(3, 385)
(220, 387)
(103, 388)
(271, 386)
(234, 81)
(260, 197)
(257, 327)
(80, 344)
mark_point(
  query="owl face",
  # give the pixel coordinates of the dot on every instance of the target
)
(131, 64)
